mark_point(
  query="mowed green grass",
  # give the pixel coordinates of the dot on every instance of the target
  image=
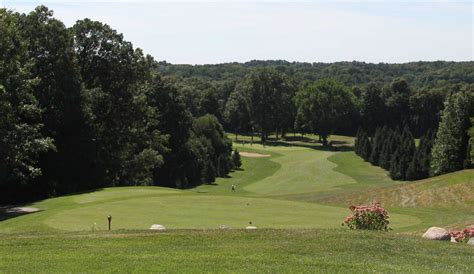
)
(297, 197)
(176, 210)
(234, 251)
(270, 193)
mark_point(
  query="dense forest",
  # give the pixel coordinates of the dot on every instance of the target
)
(81, 108)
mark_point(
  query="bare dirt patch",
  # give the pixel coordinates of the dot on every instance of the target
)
(253, 155)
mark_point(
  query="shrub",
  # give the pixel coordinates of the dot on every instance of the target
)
(372, 217)
(463, 235)
(237, 163)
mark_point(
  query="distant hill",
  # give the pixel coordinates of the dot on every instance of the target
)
(418, 74)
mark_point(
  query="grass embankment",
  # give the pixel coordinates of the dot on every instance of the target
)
(446, 200)
(272, 251)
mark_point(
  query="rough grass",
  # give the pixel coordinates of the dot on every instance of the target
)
(262, 251)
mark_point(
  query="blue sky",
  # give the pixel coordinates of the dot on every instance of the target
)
(197, 32)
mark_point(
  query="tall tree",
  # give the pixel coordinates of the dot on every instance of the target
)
(50, 47)
(449, 148)
(373, 109)
(265, 89)
(21, 139)
(237, 113)
(175, 122)
(397, 103)
(425, 108)
(403, 155)
(419, 167)
(116, 76)
(377, 145)
(323, 105)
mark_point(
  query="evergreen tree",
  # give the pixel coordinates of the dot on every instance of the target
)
(403, 155)
(469, 162)
(395, 165)
(357, 141)
(420, 165)
(388, 149)
(236, 161)
(377, 145)
(366, 147)
(449, 149)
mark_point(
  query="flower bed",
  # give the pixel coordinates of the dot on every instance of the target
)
(463, 235)
(372, 217)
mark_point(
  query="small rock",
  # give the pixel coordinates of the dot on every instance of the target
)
(453, 240)
(224, 227)
(471, 241)
(157, 227)
(250, 227)
(437, 233)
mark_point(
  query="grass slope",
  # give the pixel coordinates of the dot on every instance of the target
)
(263, 251)
(176, 209)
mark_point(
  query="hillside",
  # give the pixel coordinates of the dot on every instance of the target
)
(418, 74)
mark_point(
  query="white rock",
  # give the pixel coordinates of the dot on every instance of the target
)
(471, 241)
(250, 227)
(157, 227)
(437, 233)
(223, 227)
(453, 240)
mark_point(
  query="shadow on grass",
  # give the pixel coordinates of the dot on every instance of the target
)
(303, 142)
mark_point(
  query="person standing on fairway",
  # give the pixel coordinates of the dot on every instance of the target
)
(233, 187)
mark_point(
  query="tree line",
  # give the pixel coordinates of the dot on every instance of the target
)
(382, 94)
(81, 108)
(445, 150)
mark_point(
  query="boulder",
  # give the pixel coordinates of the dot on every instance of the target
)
(437, 233)
(250, 227)
(157, 227)
(471, 241)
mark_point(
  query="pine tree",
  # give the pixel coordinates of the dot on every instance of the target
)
(469, 162)
(420, 165)
(237, 163)
(408, 150)
(358, 141)
(377, 145)
(366, 147)
(451, 139)
(395, 168)
(389, 148)
(362, 145)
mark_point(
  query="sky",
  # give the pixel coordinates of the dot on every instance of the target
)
(209, 32)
